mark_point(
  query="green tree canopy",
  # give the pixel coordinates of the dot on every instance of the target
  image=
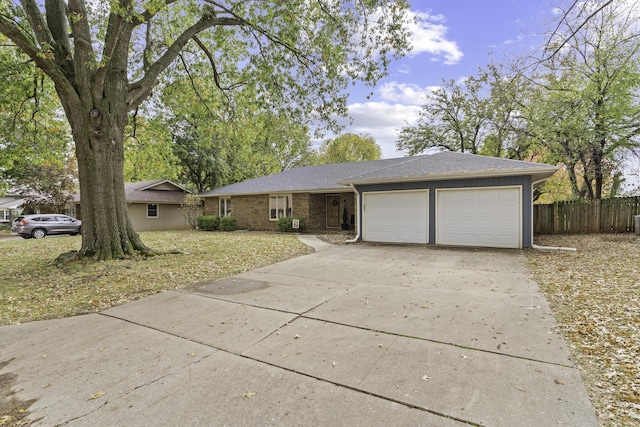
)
(575, 104)
(105, 59)
(33, 130)
(348, 147)
(593, 82)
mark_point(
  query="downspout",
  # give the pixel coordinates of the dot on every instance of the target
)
(358, 222)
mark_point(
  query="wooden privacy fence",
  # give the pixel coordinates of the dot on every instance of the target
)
(595, 216)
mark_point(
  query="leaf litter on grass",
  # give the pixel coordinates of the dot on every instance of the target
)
(595, 296)
(32, 288)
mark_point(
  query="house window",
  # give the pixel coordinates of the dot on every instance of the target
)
(225, 206)
(152, 210)
(280, 206)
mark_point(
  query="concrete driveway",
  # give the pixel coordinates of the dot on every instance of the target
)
(357, 335)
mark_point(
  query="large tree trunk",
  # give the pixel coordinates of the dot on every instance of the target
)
(106, 230)
(98, 133)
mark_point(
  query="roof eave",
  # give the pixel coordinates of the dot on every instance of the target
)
(162, 181)
(539, 174)
(341, 189)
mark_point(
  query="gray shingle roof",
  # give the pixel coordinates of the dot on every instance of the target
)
(336, 177)
(451, 165)
(143, 192)
(306, 178)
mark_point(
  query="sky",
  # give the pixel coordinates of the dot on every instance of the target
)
(451, 40)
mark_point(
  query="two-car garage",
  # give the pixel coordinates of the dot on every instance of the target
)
(472, 216)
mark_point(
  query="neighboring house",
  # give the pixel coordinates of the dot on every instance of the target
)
(153, 205)
(445, 198)
(10, 207)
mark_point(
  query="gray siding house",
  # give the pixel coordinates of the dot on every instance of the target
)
(444, 198)
(153, 205)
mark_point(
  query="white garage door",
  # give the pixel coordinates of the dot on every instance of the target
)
(396, 216)
(488, 217)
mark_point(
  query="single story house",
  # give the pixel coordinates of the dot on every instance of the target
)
(153, 205)
(10, 207)
(445, 198)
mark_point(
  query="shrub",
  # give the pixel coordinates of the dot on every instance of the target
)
(286, 225)
(208, 222)
(227, 223)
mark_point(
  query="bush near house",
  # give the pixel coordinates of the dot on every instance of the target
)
(208, 222)
(228, 223)
(286, 225)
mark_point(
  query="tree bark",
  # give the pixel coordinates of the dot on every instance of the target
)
(98, 132)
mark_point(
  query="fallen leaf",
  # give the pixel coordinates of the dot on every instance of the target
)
(97, 395)
(248, 394)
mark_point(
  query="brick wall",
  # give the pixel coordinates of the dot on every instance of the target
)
(317, 219)
(252, 212)
(301, 205)
(211, 206)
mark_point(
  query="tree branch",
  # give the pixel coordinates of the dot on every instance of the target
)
(57, 21)
(111, 38)
(38, 26)
(574, 32)
(216, 75)
(260, 30)
(195, 89)
(82, 43)
(146, 16)
(139, 90)
(10, 29)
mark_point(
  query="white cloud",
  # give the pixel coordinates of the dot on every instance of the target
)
(404, 69)
(383, 121)
(405, 93)
(428, 35)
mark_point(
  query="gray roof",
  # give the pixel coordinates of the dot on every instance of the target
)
(152, 191)
(451, 165)
(430, 167)
(11, 202)
(306, 178)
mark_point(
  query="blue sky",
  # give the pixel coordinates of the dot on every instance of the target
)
(451, 40)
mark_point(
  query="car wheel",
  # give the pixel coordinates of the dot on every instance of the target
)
(38, 233)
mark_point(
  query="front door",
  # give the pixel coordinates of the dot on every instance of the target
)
(333, 211)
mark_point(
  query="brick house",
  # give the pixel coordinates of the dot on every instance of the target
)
(444, 198)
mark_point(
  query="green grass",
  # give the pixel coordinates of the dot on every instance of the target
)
(33, 288)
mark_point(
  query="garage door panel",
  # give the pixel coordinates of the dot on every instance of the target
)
(479, 217)
(396, 216)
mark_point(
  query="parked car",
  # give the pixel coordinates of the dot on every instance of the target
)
(40, 225)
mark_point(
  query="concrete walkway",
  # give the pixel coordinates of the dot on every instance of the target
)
(355, 335)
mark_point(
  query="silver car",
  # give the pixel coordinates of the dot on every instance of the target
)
(40, 225)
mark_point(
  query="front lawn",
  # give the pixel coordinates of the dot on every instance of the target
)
(32, 288)
(594, 294)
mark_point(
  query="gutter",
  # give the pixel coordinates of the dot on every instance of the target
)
(358, 220)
